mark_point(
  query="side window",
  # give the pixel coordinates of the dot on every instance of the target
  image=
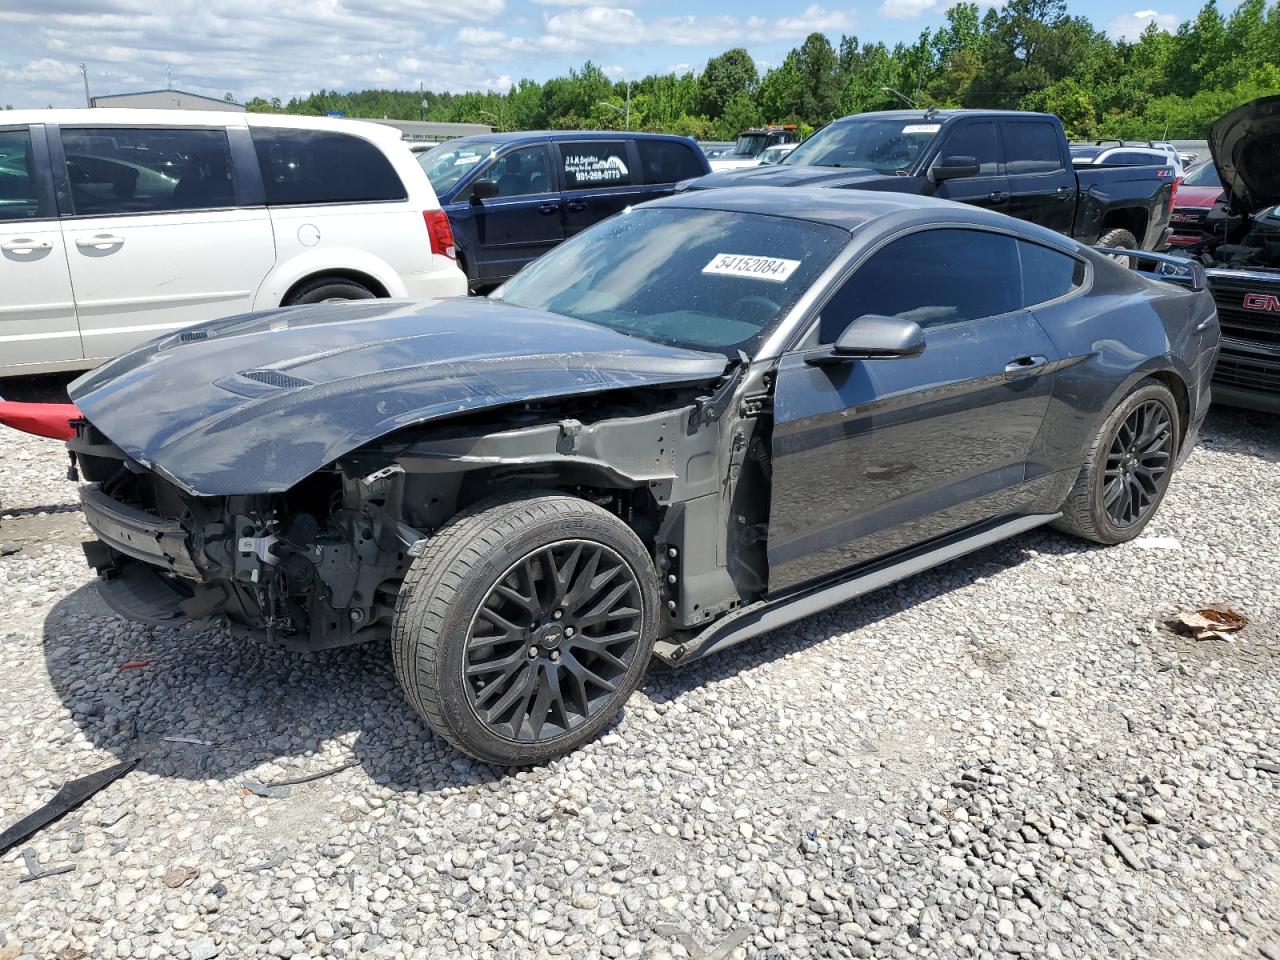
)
(665, 161)
(976, 140)
(17, 184)
(522, 172)
(118, 170)
(1031, 146)
(1134, 159)
(933, 277)
(1047, 274)
(594, 164)
(316, 166)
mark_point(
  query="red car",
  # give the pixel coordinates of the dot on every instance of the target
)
(1197, 193)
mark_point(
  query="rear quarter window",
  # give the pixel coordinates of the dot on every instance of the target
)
(317, 166)
(1047, 274)
(591, 164)
(1031, 146)
(665, 161)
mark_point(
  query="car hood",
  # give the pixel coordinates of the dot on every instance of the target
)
(256, 403)
(1245, 145)
(793, 175)
(1198, 196)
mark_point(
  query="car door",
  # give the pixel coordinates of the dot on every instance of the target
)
(156, 235)
(37, 308)
(599, 180)
(871, 457)
(525, 219)
(1042, 185)
(990, 188)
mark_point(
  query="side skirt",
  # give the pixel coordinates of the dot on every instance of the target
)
(765, 615)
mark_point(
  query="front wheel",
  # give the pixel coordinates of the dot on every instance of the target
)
(1127, 469)
(1119, 237)
(524, 627)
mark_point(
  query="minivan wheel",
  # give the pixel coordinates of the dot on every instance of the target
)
(1128, 468)
(328, 289)
(524, 626)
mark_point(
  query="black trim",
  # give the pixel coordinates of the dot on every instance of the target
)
(246, 174)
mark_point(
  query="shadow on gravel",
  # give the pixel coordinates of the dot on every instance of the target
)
(247, 702)
(1242, 431)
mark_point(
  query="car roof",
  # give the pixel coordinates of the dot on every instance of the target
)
(942, 115)
(122, 116)
(852, 209)
(524, 135)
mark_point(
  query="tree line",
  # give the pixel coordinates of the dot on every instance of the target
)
(1028, 54)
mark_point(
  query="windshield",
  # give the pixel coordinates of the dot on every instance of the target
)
(773, 155)
(886, 146)
(450, 162)
(699, 279)
(750, 145)
(1205, 175)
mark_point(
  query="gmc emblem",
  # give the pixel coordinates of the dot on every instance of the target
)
(1267, 302)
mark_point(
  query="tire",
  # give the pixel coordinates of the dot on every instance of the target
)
(459, 667)
(321, 289)
(1119, 237)
(1089, 510)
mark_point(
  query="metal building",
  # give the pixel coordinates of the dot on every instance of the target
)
(166, 100)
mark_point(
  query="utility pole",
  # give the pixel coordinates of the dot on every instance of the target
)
(84, 72)
(628, 105)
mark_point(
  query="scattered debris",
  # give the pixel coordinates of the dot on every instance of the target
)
(37, 872)
(1212, 622)
(273, 861)
(313, 776)
(9, 549)
(193, 740)
(134, 664)
(72, 794)
(179, 876)
(1158, 543)
(269, 790)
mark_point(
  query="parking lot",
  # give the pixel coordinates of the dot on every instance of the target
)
(1012, 755)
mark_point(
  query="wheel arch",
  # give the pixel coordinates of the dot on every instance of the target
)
(1133, 219)
(364, 279)
(357, 265)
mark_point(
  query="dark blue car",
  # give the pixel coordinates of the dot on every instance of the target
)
(511, 197)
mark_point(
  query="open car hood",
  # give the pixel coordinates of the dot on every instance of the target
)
(256, 403)
(1246, 150)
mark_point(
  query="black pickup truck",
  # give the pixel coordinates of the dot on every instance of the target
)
(1008, 161)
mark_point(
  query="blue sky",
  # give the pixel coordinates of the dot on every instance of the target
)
(290, 47)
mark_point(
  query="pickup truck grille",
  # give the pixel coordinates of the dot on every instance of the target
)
(1258, 323)
(1234, 371)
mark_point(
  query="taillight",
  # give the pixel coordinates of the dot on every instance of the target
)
(1173, 198)
(440, 232)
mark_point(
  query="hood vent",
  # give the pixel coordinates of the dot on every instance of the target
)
(274, 378)
(191, 336)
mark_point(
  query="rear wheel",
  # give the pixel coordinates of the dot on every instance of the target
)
(1119, 237)
(1128, 468)
(328, 289)
(525, 626)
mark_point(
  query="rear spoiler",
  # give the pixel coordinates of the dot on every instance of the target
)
(1161, 266)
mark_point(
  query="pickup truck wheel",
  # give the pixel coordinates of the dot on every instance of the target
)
(524, 626)
(1127, 470)
(1119, 237)
(328, 289)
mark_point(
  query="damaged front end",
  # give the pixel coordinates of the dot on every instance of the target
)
(315, 567)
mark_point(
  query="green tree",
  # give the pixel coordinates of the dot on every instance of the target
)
(724, 78)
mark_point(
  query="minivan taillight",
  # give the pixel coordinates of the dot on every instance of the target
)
(440, 232)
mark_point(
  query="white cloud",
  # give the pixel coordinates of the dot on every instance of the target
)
(622, 26)
(615, 72)
(816, 19)
(1129, 26)
(907, 9)
(680, 69)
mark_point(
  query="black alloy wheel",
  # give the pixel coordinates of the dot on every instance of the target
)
(1140, 455)
(552, 641)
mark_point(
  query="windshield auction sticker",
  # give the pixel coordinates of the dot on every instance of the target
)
(922, 128)
(757, 268)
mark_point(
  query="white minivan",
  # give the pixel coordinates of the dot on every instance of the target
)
(119, 225)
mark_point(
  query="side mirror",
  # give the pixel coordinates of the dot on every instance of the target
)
(954, 168)
(484, 189)
(873, 336)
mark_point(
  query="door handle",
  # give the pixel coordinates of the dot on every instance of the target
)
(997, 196)
(577, 206)
(548, 208)
(99, 241)
(1063, 191)
(1023, 367)
(23, 245)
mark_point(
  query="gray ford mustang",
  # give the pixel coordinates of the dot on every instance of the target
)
(696, 421)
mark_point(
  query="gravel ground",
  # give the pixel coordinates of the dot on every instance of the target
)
(1012, 755)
